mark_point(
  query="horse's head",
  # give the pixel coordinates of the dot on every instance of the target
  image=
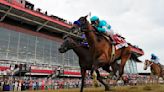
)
(68, 44)
(146, 64)
(83, 24)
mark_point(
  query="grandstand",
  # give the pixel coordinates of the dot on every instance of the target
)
(31, 38)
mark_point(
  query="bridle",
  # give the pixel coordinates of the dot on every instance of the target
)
(72, 43)
(83, 24)
(150, 63)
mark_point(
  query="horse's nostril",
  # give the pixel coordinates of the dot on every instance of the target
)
(59, 49)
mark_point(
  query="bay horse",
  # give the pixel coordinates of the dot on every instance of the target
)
(155, 69)
(101, 48)
(85, 59)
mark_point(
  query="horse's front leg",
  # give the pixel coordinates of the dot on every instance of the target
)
(158, 79)
(115, 69)
(95, 67)
(99, 78)
(83, 73)
(94, 76)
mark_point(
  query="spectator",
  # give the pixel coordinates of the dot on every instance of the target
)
(16, 86)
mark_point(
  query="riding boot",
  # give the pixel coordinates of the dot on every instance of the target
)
(113, 42)
(110, 35)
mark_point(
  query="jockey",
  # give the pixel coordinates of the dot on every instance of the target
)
(154, 59)
(102, 27)
(84, 42)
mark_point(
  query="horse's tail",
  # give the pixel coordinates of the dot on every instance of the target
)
(135, 58)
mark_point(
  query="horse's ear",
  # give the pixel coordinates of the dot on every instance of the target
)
(86, 16)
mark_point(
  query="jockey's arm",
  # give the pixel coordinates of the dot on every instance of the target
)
(103, 27)
(157, 59)
(108, 26)
(102, 30)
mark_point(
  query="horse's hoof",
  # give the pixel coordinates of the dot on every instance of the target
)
(107, 89)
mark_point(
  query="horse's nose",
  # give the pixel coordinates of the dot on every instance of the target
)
(60, 50)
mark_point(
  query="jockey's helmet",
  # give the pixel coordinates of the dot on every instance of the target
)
(94, 18)
(77, 23)
(152, 54)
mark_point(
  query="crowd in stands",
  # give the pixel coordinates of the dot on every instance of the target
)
(28, 5)
(17, 84)
(26, 83)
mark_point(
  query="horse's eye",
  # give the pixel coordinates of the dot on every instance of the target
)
(64, 38)
(73, 28)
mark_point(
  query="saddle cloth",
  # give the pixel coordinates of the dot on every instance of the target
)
(120, 41)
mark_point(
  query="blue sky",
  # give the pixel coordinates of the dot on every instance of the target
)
(141, 22)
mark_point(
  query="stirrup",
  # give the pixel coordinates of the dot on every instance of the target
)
(113, 43)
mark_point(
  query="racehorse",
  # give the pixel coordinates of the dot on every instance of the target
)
(156, 69)
(85, 59)
(102, 49)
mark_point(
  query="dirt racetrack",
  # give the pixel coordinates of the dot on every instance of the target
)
(144, 88)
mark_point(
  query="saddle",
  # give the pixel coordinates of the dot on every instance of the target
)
(120, 41)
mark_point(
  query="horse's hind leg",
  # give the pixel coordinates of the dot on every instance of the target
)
(99, 78)
(106, 68)
(123, 62)
(115, 68)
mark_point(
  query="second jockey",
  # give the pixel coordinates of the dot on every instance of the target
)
(154, 58)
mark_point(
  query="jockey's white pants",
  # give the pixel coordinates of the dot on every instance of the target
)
(155, 61)
(110, 33)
